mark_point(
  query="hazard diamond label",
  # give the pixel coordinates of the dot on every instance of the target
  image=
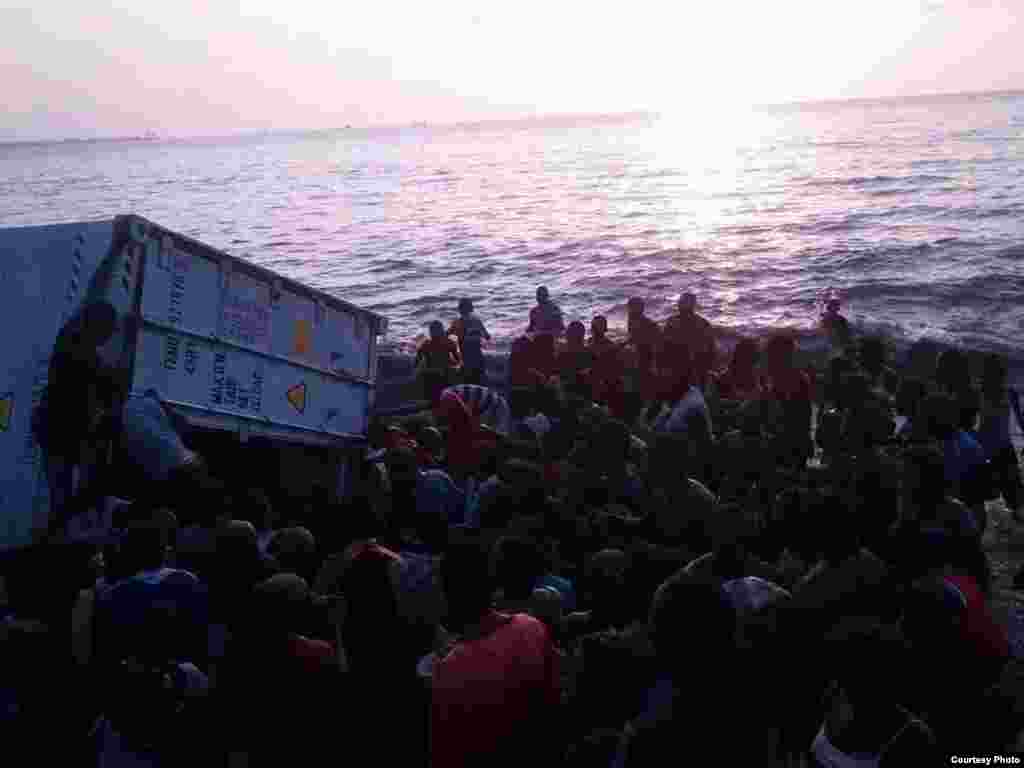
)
(6, 411)
(297, 397)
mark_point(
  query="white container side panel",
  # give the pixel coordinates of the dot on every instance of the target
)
(294, 318)
(343, 342)
(181, 290)
(192, 291)
(44, 274)
(246, 314)
(230, 381)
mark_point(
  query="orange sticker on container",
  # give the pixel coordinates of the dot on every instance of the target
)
(302, 337)
(297, 397)
(6, 411)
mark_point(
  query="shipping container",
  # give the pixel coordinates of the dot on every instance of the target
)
(229, 346)
(44, 273)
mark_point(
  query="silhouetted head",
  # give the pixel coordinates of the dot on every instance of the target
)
(465, 306)
(744, 357)
(635, 307)
(871, 354)
(780, 351)
(575, 332)
(911, 394)
(437, 329)
(294, 549)
(542, 295)
(940, 412)
(281, 601)
(599, 326)
(99, 322)
(691, 620)
(921, 359)
(687, 303)
(518, 564)
(993, 374)
(933, 612)
(952, 371)
(431, 439)
(923, 481)
(144, 544)
(468, 583)
(868, 662)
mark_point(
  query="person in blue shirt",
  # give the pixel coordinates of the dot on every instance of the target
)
(124, 606)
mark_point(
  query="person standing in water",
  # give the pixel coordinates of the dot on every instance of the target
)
(546, 317)
(835, 326)
(689, 331)
(471, 333)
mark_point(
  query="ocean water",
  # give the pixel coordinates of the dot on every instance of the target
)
(913, 209)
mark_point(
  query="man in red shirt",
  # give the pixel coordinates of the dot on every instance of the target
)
(495, 693)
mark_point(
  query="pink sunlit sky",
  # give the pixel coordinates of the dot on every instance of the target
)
(122, 67)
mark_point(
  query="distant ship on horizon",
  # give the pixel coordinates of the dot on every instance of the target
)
(147, 136)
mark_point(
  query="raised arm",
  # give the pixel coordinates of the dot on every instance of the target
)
(1015, 404)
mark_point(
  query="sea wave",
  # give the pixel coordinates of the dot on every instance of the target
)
(868, 181)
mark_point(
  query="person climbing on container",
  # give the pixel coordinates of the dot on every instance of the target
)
(546, 317)
(80, 389)
(436, 360)
(687, 330)
(469, 329)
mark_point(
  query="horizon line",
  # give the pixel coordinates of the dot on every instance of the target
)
(150, 137)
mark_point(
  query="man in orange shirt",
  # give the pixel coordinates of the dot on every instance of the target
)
(437, 357)
(470, 331)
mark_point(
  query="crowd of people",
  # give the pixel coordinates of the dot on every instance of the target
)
(625, 554)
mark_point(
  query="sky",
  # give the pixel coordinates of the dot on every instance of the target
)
(123, 67)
